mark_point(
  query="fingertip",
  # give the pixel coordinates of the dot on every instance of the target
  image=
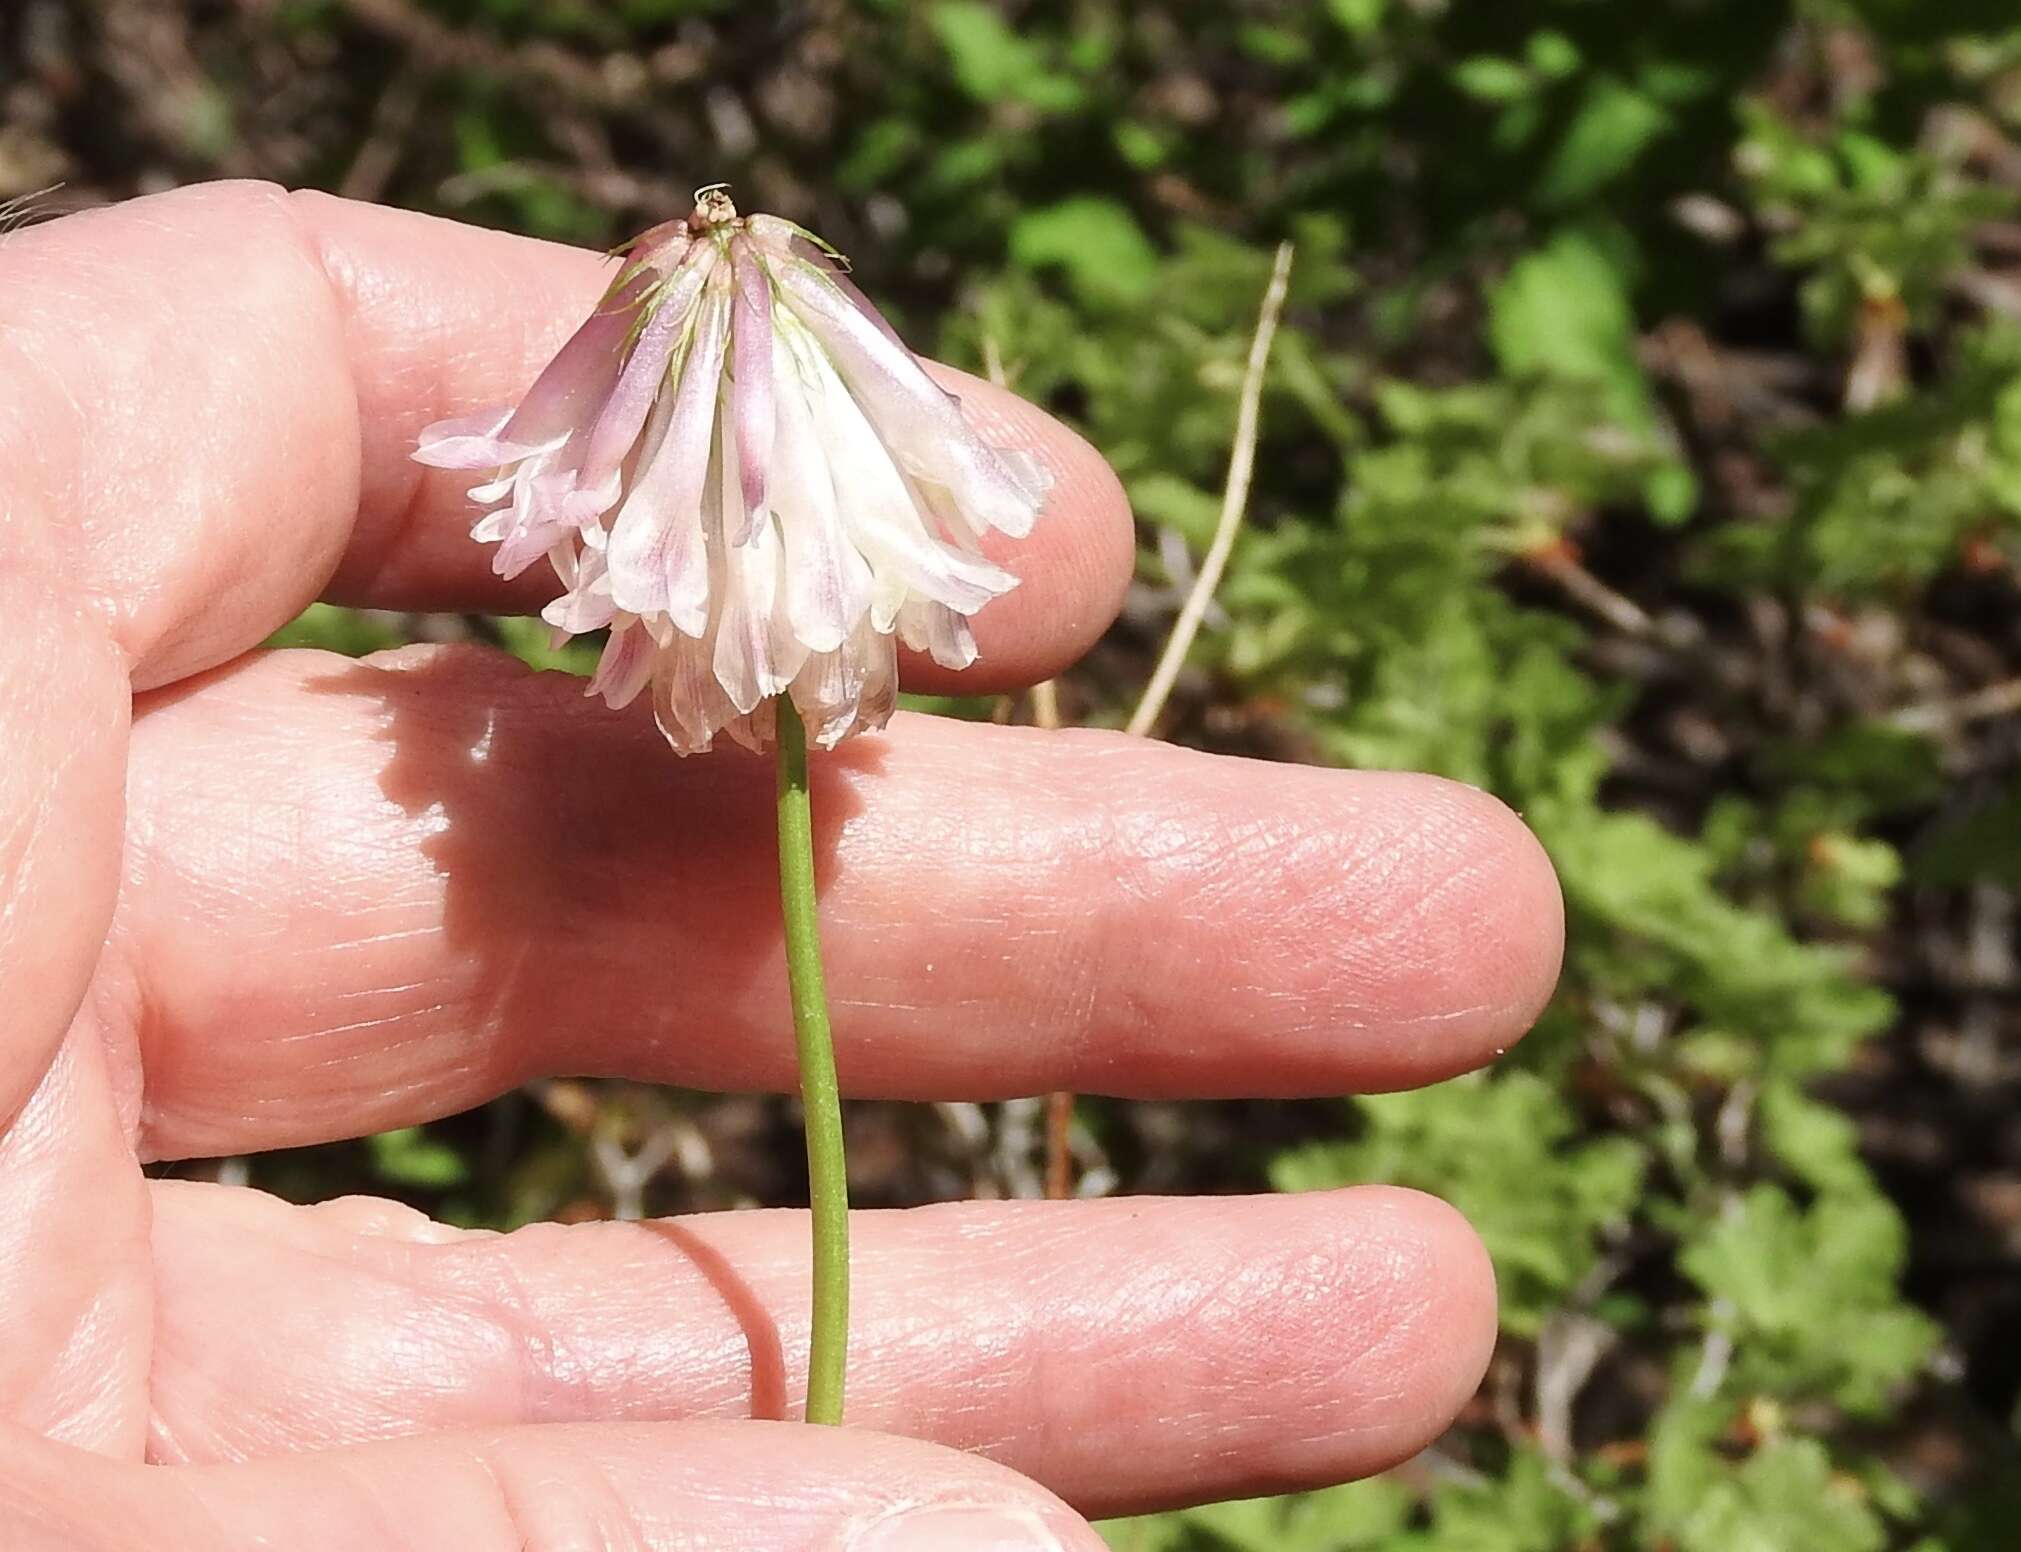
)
(1072, 569)
(1438, 1315)
(1515, 908)
(1455, 912)
(1384, 1323)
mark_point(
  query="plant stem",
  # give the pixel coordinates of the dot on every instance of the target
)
(820, 1096)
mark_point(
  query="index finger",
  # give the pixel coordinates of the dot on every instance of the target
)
(211, 395)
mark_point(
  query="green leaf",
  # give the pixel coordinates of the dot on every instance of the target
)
(1785, 1497)
(353, 632)
(1492, 79)
(528, 640)
(1809, 1295)
(1564, 310)
(1522, 1510)
(1357, 17)
(409, 1157)
(1820, 1145)
(995, 64)
(1613, 125)
(1360, 1517)
(1096, 241)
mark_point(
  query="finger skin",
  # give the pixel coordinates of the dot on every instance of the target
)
(209, 396)
(1128, 1354)
(456, 875)
(63, 730)
(693, 1487)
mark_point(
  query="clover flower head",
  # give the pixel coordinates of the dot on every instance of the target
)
(739, 470)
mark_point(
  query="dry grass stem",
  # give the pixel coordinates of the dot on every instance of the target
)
(1234, 501)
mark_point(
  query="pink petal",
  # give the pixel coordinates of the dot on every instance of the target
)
(751, 409)
(631, 399)
(789, 241)
(565, 398)
(658, 561)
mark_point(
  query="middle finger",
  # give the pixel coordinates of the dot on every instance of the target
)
(361, 894)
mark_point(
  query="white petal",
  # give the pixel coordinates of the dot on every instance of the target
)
(746, 665)
(535, 525)
(470, 442)
(658, 559)
(878, 513)
(938, 631)
(582, 610)
(828, 583)
(925, 430)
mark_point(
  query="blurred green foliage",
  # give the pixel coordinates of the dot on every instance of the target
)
(1495, 206)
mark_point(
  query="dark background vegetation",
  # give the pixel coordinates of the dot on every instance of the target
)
(1644, 443)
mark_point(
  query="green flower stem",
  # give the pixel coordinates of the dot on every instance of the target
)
(820, 1096)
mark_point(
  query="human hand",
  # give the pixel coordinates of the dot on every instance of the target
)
(251, 900)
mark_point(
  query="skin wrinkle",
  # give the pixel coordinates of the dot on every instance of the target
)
(1423, 915)
(541, 1354)
(553, 1512)
(83, 1396)
(77, 738)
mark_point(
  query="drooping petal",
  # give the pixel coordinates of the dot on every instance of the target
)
(631, 399)
(937, 631)
(586, 605)
(827, 693)
(565, 398)
(877, 511)
(828, 582)
(755, 730)
(658, 557)
(751, 410)
(744, 581)
(471, 442)
(534, 524)
(924, 429)
(789, 241)
(688, 704)
(626, 666)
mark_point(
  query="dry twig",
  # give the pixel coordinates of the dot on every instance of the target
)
(1234, 500)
